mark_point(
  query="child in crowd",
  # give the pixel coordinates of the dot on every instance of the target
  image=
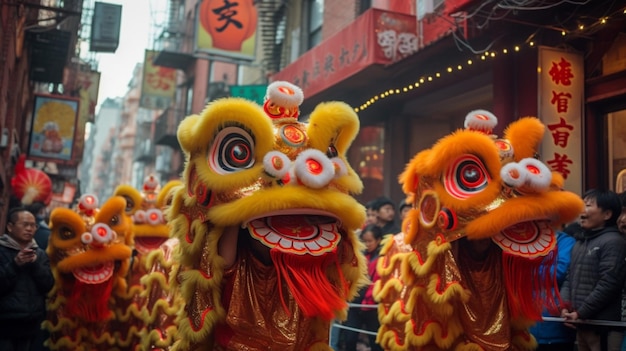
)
(366, 318)
(386, 215)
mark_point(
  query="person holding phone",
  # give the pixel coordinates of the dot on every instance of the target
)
(25, 280)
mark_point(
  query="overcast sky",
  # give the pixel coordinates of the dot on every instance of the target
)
(135, 35)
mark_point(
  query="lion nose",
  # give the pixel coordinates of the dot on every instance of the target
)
(529, 175)
(311, 168)
(99, 235)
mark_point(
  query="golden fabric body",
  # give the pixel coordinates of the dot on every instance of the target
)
(254, 305)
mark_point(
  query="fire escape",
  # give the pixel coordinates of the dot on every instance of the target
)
(174, 46)
(272, 24)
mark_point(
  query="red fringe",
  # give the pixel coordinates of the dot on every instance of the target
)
(90, 302)
(531, 285)
(305, 275)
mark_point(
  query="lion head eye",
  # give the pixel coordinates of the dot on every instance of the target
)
(332, 151)
(232, 151)
(115, 220)
(66, 233)
(130, 204)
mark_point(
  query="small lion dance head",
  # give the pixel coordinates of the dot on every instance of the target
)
(469, 270)
(266, 223)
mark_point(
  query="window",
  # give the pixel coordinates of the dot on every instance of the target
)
(316, 18)
(189, 99)
(364, 5)
(426, 7)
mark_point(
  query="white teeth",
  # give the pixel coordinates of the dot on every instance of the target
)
(330, 236)
(328, 227)
(272, 238)
(313, 238)
(90, 275)
(285, 243)
(312, 245)
(263, 231)
(323, 242)
(506, 242)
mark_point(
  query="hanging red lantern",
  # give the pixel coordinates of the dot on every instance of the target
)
(30, 185)
(228, 23)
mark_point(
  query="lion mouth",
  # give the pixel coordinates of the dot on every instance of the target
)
(529, 238)
(146, 244)
(297, 233)
(95, 274)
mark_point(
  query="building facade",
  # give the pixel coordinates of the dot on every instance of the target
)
(38, 38)
(413, 73)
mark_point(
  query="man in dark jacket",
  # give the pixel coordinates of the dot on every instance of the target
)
(38, 209)
(25, 279)
(597, 272)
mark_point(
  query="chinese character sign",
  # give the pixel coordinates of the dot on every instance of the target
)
(158, 85)
(561, 84)
(375, 38)
(227, 28)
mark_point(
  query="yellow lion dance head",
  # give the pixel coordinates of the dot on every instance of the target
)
(266, 223)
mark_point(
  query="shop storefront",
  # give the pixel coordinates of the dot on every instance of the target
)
(407, 103)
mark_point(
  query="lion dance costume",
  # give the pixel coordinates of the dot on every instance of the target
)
(266, 223)
(147, 311)
(466, 272)
(89, 251)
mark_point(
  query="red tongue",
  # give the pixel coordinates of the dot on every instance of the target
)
(90, 302)
(305, 276)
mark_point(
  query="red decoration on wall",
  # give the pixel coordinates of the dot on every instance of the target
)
(30, 185)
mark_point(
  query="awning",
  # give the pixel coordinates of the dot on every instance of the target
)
(370, 53)
(375, 39)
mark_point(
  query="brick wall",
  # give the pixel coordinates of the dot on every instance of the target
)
(337, 15)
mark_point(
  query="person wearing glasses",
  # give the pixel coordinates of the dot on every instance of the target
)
(25, 280)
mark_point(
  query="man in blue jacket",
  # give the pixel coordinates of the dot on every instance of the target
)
(25, 279)
(554, 336)
(594, 282)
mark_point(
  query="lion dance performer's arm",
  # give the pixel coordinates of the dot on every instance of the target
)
(469, 270)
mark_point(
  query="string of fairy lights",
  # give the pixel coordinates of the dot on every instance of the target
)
(423, 80)
(485, 56)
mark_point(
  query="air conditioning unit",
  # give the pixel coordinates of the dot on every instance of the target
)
(427, 7)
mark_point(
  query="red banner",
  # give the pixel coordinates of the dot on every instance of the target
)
(561, 105)
(375, 38)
